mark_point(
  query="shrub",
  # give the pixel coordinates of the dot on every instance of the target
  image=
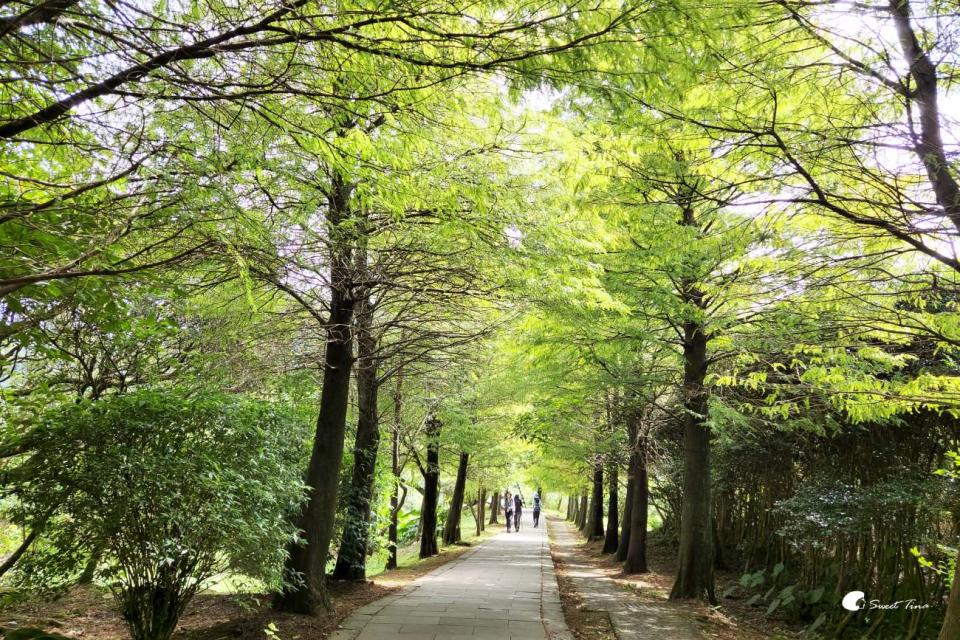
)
(169, 488)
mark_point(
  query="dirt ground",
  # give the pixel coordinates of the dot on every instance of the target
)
(583, 624)
(88, 612)
(714, 623)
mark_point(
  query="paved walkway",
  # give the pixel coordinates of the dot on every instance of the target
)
(505, 589)
(632, 618)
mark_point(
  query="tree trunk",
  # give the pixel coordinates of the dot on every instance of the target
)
(624, 541)
(695, 576)
(90, 569)
(570, 512)
(352, 555)
(951, 621)
(481, 510)
(14, 557)
(719, 557)
(594, 525)
(494, 507)
(395, 503)
(307, 561)
(632, 467)
(582, 512)
(635, 560)
(929, 147)
(431, 490)
(451, 530)
(611, 540)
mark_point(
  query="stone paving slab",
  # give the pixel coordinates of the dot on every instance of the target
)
(504, 589)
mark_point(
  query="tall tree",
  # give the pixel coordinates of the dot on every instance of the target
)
(307, 561)
(451, 527)
(431, 489)
(611, 539)
(352, 552)
(593, 527)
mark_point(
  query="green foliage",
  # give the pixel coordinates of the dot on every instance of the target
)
(168, 488)
(952, 470)
(407, 526)
(743, 170)
(789, 601)
(945, 568)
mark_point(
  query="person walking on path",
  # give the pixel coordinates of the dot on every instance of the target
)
(517, 511)
(536, 510)
(508, 508)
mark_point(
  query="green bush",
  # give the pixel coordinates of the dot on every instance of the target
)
(168, 488)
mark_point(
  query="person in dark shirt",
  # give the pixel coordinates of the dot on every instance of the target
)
(517, 511)
(536, 510)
